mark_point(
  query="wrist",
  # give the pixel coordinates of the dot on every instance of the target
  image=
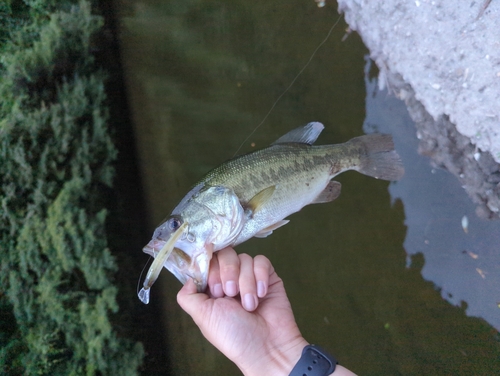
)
(315, 361)
(280, 360)
(277, 360)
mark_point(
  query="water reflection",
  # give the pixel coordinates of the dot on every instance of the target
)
(462, 259)
(200, 76)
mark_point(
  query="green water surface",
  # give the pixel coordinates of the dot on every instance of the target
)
(201, 75)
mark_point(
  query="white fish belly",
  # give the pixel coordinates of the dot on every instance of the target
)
(288, 198)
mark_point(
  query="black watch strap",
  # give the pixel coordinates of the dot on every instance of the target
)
(314, 362)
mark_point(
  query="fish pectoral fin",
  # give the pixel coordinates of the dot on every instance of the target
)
(304, 135)
(265, 232)
(330, 193)
(258, 201)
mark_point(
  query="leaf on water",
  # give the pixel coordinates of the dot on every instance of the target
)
(472, 254)
(481, 273)
(465, 224)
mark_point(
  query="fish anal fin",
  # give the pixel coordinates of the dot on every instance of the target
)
(304, 135)
(330, 193)
(259, 200)
(265, 232)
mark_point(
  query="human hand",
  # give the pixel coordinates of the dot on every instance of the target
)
(256, 330)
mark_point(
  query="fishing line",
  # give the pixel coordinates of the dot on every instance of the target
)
(289, 86)
(137, 288)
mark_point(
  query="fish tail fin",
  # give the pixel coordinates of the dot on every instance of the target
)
(378, 157)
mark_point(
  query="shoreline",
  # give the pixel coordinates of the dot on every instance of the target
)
(440, 59)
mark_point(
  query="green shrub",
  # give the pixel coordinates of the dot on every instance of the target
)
(57, 295)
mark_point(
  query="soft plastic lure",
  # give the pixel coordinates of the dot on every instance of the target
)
(159, 261)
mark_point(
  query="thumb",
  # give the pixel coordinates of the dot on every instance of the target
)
(189, 300)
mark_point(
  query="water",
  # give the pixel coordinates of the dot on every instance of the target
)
(200, 76)
(463, 261)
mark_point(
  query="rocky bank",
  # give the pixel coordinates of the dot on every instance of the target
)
(443, 59)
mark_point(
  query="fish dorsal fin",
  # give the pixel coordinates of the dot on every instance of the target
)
(257, 201)
(304, 135)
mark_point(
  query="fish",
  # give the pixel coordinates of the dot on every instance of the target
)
(252, 195)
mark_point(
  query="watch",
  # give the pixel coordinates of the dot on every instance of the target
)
(314, 361)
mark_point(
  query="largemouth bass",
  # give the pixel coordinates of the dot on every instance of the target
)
(253, 194)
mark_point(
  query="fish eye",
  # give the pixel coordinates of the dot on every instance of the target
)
(174, 223)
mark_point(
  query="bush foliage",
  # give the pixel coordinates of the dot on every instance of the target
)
(57, 295)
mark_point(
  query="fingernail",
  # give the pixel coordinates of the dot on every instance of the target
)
(261, 289)
(218, 290)
(250, 302)
(231, 288)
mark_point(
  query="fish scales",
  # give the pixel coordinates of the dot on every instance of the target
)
(298, 171)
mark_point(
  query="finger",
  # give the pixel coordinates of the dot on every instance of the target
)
(214, 280)
(262, 269)
(229, 266)
(189, 299)
(248, 290)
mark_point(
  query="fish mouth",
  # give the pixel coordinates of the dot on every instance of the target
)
(182, 265)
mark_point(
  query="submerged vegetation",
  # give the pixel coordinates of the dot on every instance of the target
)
(57, 294)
